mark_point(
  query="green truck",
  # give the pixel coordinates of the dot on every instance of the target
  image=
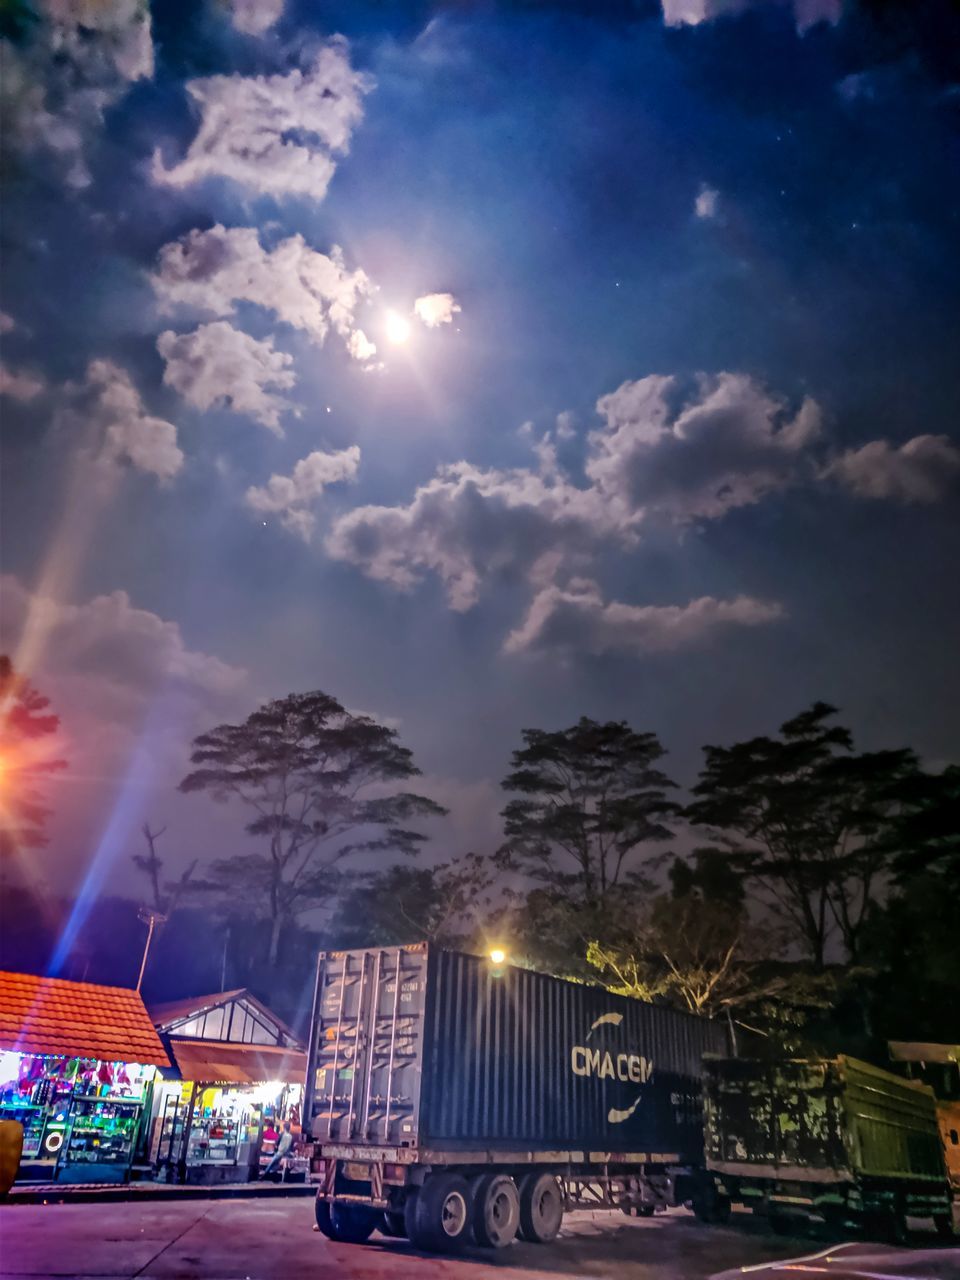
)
(833, 1138)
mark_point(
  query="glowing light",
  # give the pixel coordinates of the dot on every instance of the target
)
(498, 955)
(397, 328)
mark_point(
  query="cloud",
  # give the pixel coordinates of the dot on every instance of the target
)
(77, 60)
(705, 205)
(668, 453)
(218, 365)
(20, 386)
(291, 496)
(274, 135)
(7, 322)
(806, 13)
(659, 457)
(110, 403)
(211, 271)
(466, 523)
(576, 618)
(435, 309)
(254, 17)
(925, 469)
(727, 446)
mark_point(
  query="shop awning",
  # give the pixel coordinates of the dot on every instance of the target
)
(220, 1062)
(76, 1019)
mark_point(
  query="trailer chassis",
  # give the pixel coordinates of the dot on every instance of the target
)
(501, 1193)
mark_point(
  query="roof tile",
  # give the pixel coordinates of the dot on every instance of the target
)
(79, 1019)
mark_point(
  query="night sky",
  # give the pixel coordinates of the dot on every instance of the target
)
(482, 365)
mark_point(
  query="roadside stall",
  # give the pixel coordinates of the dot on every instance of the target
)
(237, 1079)
(77, 1068)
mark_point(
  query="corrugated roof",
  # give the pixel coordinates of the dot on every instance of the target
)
(222, 1062)
(189, 1006)
(164, 1015)
(79, 1019)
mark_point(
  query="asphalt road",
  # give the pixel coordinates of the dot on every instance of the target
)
(274, 1240)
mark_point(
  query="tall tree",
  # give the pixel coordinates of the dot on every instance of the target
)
(317, 780)
(801, 817)
(925, 835)
(591, 801)
(27, 728)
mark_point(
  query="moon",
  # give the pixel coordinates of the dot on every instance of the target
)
(397, 328)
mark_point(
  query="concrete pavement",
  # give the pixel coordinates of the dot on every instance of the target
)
(260, 1239)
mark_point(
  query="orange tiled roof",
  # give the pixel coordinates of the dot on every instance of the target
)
(81, 1019)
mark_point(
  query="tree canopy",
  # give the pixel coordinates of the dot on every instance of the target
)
(802, 817)
(590, 802)
(318, 781)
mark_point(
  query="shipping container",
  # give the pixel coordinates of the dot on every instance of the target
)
(837, 1137)
(421, 1059)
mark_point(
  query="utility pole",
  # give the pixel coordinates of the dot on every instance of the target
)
(151, 919)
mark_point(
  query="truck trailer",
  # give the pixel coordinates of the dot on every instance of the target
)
(451, 1099)
(833, 1138)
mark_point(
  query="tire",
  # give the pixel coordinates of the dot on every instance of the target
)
(496, 1210)
(344, 1223)
(887, 1225)
(438, 1218)
(541, 1208)
(943, 1225)
(393, 1224)
(710, 1206)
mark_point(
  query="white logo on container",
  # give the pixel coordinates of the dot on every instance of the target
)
(632, 1068)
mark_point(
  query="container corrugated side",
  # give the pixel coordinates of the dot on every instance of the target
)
(519, 1060)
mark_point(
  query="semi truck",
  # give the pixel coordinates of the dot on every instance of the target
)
(452, 1099)
(833, 1138)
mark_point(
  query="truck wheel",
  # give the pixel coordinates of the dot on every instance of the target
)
(496, 1210)
(888, 1225)
(438, 1216)
(541, 1207)
(393, 1224)
(710, 1206)
(943, 1225)
(344, 1223)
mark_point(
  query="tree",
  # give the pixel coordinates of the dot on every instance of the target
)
(925, 835)
(318, 782)
(166, 896)
(26, 730)
(447, 904)
(802, 818)
(695, 947)
(590, 802)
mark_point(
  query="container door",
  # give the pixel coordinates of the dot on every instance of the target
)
(341, 1015)
(391, 1094)
(366, 1045)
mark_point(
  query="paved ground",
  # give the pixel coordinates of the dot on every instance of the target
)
(274, 1240)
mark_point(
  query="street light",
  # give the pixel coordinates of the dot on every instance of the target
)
(498, 955)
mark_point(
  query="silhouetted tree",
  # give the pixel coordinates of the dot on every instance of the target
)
(26, 728)
(317, 780)
(447, 904)
(801, 817)
(591, 801)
